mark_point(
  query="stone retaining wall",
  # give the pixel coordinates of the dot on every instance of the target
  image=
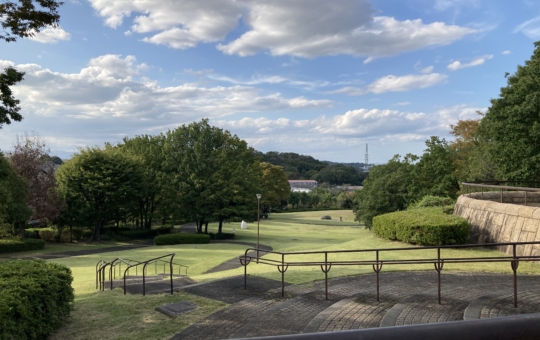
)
(493, 222)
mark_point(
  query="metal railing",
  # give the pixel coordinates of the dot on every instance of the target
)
(485, 187)
(377, 263)
(102, 265)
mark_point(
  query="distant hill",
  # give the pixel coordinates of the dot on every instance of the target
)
(306, 167)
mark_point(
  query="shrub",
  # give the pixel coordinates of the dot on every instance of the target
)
(222, 236)
(326, 217)
(431, 201)
(36, 298)
(25, 244)
(448, 209)
(427, 227)
(47, 234)
(181, 239)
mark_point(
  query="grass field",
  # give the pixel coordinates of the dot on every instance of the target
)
(111, 315)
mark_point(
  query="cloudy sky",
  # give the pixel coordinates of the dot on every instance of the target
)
(315, 77)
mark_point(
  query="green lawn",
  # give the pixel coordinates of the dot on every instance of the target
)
(52, 247)
(111, 315)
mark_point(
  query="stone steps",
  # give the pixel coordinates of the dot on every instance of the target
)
(406, 298)
(154, 284)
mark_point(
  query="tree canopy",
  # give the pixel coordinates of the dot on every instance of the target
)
(21, 19)
(511, 125)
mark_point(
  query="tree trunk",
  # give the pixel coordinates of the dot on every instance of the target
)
(220, 225)
(206, 228)
(70, 233)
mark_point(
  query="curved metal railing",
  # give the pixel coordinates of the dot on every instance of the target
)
(377, 263)
(487, 189)
(101, 269)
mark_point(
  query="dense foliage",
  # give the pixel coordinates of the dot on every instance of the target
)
(16, 245)
(426, 226)
(181, 239)
(14, 212)
(36, 298)
(298, 166)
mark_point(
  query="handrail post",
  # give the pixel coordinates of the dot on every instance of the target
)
(515, 264)
(525, 197)
(438, 267)
(171, 271)
(326, 273)
(283, 275)
(143, 279)
(377, 260)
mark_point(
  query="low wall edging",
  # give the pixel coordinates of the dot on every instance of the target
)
(493, 222)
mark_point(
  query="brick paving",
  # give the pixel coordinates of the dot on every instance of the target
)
(405, 298)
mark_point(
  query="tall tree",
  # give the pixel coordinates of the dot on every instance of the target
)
(511, 126)
(102, 180)
(14, 212)
(274, 186)
(29, 158)
(21, 19)
(149, 150)
(386, 189)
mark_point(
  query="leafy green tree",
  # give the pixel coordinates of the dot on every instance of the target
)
(23, 18)
(387, 189)
(511, 126)
(274, 185)
(149, 152)
(213, 174)
(345, 200)
(435, 172)
(14, 212)
(339, 174)
(101, 180)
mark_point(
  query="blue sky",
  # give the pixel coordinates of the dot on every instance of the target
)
(315, 77)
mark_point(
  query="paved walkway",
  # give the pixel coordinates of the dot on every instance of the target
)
(406, 298)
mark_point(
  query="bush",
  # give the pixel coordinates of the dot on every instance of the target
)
(16, 245)
(181, 239)
(431, 201)
(36, 298)
(47, 234)
(139, 233)
(326, 217)
(221, 236)
(427, 227)
(448, 209)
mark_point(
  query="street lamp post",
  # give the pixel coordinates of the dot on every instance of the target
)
(258, 219)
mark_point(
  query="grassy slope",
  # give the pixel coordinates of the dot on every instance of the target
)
(110, 315)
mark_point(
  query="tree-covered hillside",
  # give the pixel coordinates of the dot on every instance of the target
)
(306, 167)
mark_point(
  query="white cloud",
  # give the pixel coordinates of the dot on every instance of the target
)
(294, 28)
(426, 70)
(457, 65)
(393, 83)
(531, 28)
(443, 5)
(109, 87)
(348, 129)
(51, 35)
(506, 52)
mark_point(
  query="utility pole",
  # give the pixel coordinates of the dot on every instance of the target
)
(366, 160)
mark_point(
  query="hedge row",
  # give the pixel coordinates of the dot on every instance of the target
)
(427, 227)
(36, 298)
(222, 236)
(181, 239)
(15, 245)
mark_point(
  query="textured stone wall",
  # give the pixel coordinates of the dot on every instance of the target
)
(493, 222)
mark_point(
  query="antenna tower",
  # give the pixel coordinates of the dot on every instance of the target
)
(366, 161)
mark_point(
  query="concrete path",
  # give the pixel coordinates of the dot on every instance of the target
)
(406, 298)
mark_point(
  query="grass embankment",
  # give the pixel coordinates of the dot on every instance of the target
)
(111, 315)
